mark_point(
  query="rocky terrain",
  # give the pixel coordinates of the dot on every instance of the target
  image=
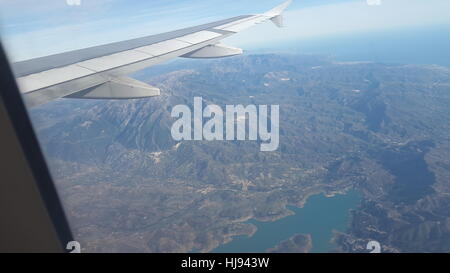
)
(378, 128)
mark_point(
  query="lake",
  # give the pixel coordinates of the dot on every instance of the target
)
(319, 217)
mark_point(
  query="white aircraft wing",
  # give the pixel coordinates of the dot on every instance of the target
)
(100, 71)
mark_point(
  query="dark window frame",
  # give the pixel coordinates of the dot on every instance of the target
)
(15, 107)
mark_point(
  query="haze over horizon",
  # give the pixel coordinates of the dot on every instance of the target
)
(49, 28)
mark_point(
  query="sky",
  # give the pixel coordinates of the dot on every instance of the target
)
(32, 29)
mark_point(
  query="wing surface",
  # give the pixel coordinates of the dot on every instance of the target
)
(100, 71)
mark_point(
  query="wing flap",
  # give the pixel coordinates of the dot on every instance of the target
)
(52, 77)
(114, 60)
(199, 37)
(162, 48)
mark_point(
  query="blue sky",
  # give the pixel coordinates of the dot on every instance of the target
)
(37, 28)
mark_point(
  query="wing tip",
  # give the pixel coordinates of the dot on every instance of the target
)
(278, 10)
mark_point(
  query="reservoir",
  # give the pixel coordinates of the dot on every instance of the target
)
(319, 217)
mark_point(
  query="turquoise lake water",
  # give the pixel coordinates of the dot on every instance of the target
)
(319, 217)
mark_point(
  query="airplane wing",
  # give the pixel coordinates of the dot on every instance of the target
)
(100, 71)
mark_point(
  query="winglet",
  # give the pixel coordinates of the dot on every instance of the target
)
(278, 10)
(278, 20)
(276, 14)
